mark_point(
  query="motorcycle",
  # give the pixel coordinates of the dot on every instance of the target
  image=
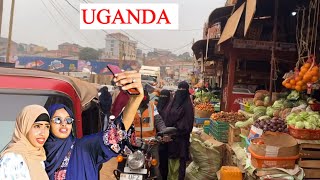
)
(137, 165)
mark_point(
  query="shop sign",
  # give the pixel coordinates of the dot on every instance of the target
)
(264, 45)
(215, 31)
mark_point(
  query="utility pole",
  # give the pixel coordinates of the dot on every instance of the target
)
(10, 31)
(1, 12)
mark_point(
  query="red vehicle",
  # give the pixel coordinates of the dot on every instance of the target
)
(21, 87)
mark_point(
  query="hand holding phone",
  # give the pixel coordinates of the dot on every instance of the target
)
(116, 70)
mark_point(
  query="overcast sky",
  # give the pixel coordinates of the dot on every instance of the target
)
(52, 22)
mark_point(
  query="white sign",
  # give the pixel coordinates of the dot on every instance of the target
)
(129, 16)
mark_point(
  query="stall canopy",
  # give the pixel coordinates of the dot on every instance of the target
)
(232, 24)
(217, 16)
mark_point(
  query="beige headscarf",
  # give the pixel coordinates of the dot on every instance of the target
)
(21, 145)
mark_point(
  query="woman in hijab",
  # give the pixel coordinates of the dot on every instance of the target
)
(164, 99)
(79, 159)
(24, 155)
(105, 100)
(180, 114)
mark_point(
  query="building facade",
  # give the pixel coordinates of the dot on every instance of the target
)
(119, 46)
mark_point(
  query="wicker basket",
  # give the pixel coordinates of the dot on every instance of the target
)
(202, 114)
(306, 134)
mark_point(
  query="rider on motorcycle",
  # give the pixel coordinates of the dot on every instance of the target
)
(151, 122)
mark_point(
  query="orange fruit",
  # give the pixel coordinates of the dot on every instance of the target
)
(307, 77)
(314, 79)
(288, 85)
(307, 65)
(284, 83)
(315, 68)
(298, 88)
(303, 70)
(299, 83)
(298, 78)
(314, 72)
(301, 74)
(292, 82)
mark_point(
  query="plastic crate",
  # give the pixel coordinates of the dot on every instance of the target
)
(230, 172)
(220, 136)
(200, 120)
(219, 126)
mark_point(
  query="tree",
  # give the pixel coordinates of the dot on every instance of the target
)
(88, 53)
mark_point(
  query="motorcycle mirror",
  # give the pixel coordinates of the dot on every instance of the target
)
(168, 131)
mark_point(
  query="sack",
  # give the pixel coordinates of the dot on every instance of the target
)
(206, 160)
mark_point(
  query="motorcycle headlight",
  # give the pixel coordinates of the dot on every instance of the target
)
(136, 160)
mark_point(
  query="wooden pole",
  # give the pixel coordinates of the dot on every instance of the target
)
(1, 12)
(274, 39)
(10, 31)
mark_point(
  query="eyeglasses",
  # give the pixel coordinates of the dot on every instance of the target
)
(58, 120)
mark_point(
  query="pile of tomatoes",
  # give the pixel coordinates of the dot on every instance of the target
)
(309, 73)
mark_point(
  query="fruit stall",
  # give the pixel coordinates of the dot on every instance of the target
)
(274, 133)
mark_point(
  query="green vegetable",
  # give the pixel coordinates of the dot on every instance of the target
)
(288, 104)
(299, 125)
(241, 124)
(270, 111)
(294, 95)
(264, 118)
(278, 105)
(259, 111)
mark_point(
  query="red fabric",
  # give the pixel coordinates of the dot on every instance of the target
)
(120, 102)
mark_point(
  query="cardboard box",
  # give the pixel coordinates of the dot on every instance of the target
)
(275, 145)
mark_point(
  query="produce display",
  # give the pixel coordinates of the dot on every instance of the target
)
(230, 117)
(275, 125)
(308, 73)
(261, 98)
(304, 120)
(202, 97)
(205, 107)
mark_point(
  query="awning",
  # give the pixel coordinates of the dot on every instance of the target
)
(232, 24)
(250, 11)
(199, 47)
(219, 13)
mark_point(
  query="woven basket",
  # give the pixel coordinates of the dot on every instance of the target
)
(202, 114)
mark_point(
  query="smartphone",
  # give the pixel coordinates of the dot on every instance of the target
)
(150, 89)
(115, 70)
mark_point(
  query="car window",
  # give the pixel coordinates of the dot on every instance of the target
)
(11, 105)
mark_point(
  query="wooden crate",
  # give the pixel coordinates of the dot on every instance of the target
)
(310, 160)
(228, 158)
(233, 134)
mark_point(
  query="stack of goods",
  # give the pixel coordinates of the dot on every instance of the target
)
(204, 110)
(271, 150)
(304, 125)
(275, 124)
(220, 124)
(309, 73)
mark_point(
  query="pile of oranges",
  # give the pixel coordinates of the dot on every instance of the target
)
(309, 73)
